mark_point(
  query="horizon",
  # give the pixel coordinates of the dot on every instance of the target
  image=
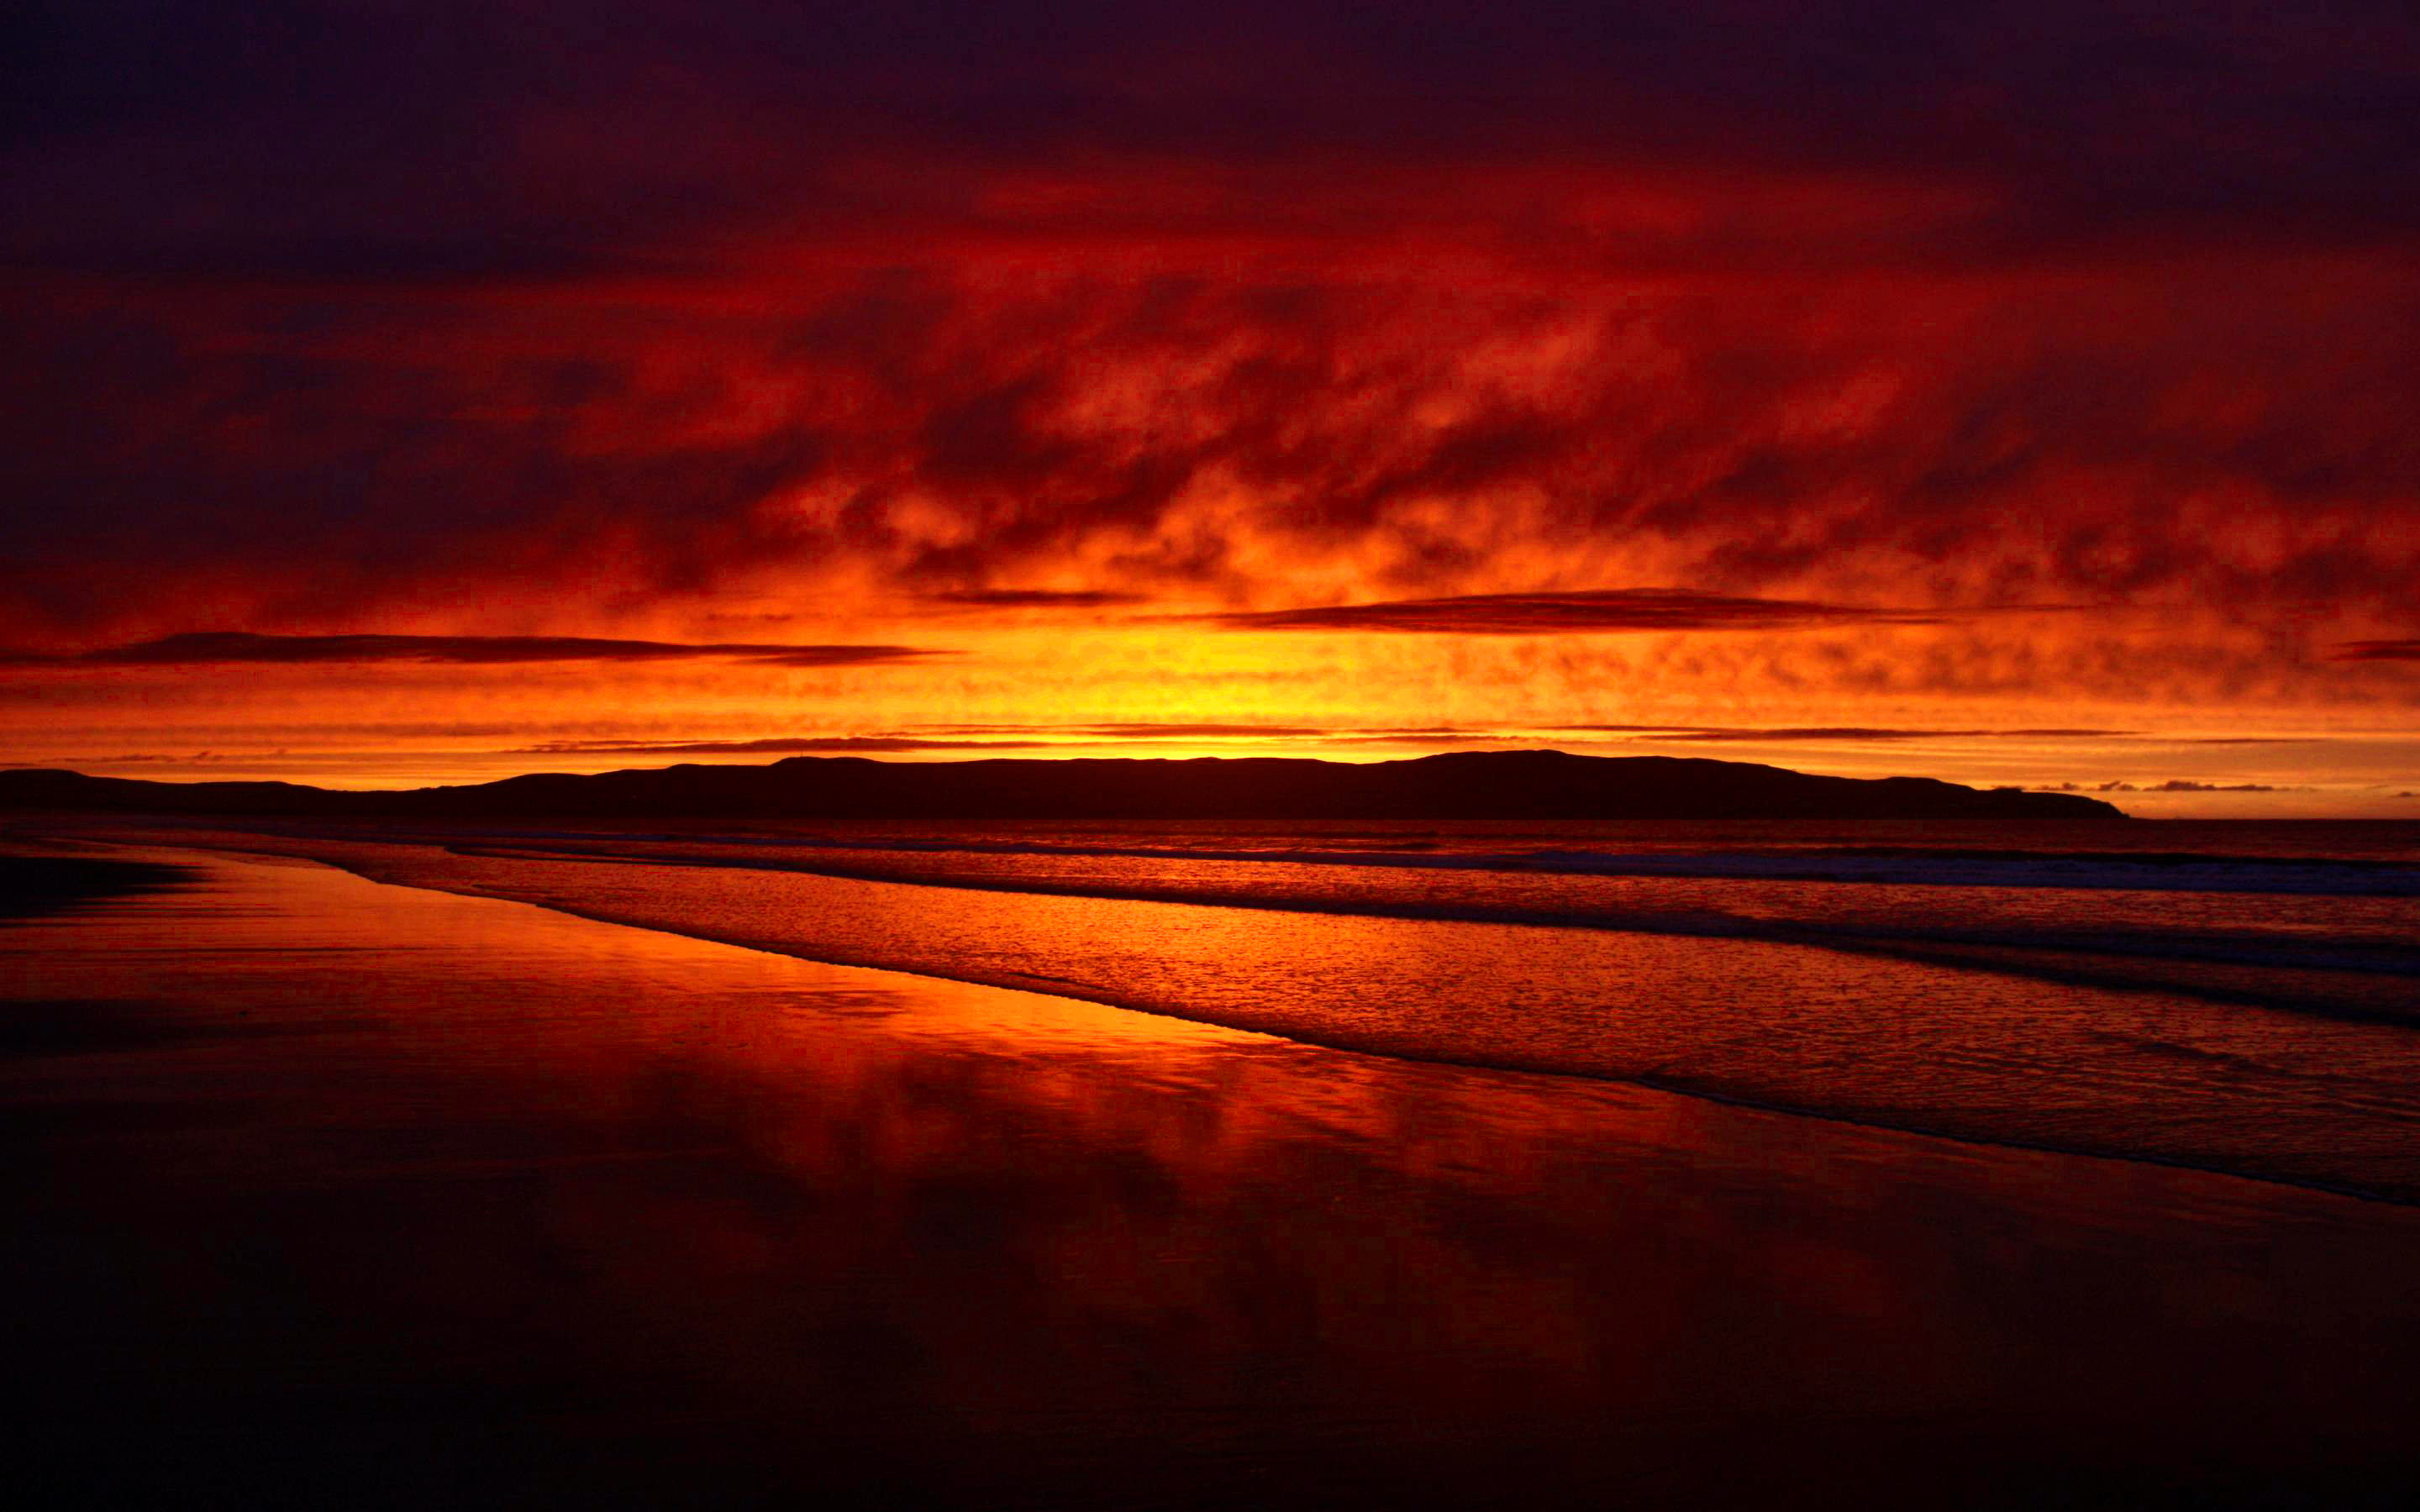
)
(2173, 798)
(2196, 801)
(1458, 790)
(2106, 796)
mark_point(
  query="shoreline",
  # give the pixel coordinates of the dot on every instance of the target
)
(345, 854)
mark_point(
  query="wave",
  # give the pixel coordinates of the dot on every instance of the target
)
(2352, 980)
(1983, 1120)
(2183, 871)
(1994, 1050)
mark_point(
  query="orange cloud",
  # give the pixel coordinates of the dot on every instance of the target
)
(1580, 612)
(225, 647)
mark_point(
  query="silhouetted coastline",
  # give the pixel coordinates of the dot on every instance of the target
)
(1463, 785)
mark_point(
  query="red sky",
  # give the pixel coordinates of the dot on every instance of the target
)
(2022, 394)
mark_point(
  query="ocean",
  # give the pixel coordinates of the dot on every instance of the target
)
(2241, 998)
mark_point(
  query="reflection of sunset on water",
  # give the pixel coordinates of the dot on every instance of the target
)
(861, 1205)
(2073, 1049)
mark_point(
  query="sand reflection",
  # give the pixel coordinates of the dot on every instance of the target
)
(2017, 1058)
(567, 1204)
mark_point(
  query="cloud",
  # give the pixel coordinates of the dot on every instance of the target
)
(204, 648)
(1417, 737)
(1855, 734)
(1321, 426)
(1139, 730)
(678, 308)
(1587, 612)
(2377, 651)
(1035, 599)
(1175, 730)
(783, 746)
(2175, 784)
(1007, 737)
(936, 737)
(1214, 436)
(566, 146)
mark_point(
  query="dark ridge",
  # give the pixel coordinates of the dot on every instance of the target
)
(1524, 784)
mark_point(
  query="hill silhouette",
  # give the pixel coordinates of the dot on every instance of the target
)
(1524, 784)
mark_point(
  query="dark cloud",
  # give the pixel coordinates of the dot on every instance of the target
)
(783, 745)
(2378, 651)
(1134, 730)
(1142, 729)
(1855, 734)
(945, 737)
(208, 647)
(1420, 737)
(302, 456)
(322, 306)
(1603, 609)
(1035, 599)
(2175, 784)
(333, 139)
(1176, 730)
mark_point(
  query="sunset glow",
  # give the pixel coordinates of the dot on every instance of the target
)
(2033, 422)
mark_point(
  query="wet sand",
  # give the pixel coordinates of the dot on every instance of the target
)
(328, 1193)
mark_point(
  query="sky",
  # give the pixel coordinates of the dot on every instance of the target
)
(2021, 394)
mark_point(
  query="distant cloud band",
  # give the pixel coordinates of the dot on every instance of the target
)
(1862, 734)
(1035, 599)
(1592, 610)
(779, 746)
(210, 647)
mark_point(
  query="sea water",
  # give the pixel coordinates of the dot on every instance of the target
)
(2243, 997)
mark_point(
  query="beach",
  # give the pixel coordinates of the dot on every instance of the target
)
(336, 1192)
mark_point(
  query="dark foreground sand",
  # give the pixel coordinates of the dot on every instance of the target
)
(322, 1193)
